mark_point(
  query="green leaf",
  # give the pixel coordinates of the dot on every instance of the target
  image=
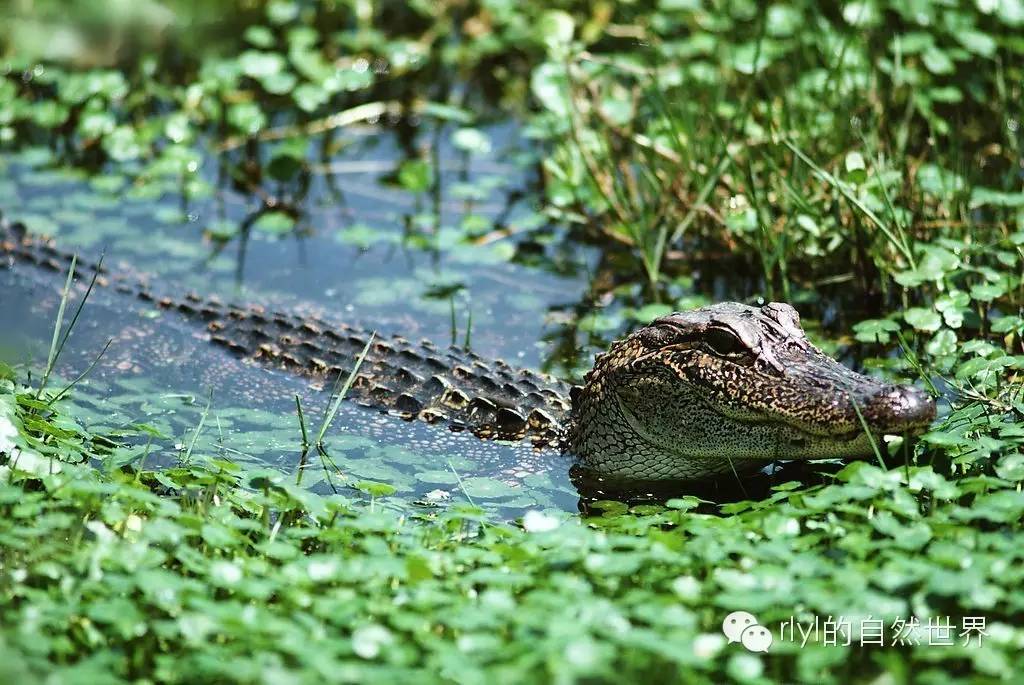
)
(260, 65)
(471, 140)
(937, 61)
(279, 84)
(222, 230)
(977, 42)
(484, 488)
(122, 144)
(247, 117)
(310, 97)
(275, 223)
(981, 197)
(1005, 324)
(50, 114)
(364, 236)
(96, 124)
(416, 175)
(856, 171)
(282, 11)
(942, 343)
(178, 128)
(375, 489)
(650, 312)
(923, 319)
(1011, 467)
(783, 20)
(875, 330)
(550, 86)
(953, 305)
(986, 292)
(556, 28)
(260, 36)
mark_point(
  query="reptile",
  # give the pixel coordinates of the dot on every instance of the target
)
(724, 388)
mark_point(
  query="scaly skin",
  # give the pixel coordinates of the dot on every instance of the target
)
(692, 395)
(729, 387)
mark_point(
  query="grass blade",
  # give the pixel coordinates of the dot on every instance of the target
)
(57, 342)
(871, 438)
(302, 423)
(51, 357)
(333, 411)
(72, 384)
(199, 429)
(855, 201)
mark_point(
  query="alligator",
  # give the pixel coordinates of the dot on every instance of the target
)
(724, 388)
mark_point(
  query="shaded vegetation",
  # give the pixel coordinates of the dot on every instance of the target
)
(861, 161)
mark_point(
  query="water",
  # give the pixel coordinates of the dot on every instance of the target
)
(364, 251)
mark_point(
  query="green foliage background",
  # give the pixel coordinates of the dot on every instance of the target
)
(871, 148)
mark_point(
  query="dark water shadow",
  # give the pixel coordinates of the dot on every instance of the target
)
(595, 488)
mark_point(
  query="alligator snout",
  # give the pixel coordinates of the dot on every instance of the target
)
(899, 409)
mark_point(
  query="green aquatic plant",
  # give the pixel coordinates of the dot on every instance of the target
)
(214, 570)
(860, 161)
(798, 149)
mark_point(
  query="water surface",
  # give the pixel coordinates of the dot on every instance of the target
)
(363, 251)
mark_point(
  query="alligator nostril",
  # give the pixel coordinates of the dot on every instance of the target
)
(899, 409)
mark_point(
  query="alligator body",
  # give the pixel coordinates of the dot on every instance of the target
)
(718, 389)
(410, 379)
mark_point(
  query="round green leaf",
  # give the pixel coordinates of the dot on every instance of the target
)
(923, 319)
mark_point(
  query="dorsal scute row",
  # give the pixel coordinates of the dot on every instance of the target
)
(411, 379)
(421, 380)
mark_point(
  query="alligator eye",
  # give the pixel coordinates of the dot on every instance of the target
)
(723, 342)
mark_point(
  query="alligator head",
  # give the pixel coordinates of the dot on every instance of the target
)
(729, 387)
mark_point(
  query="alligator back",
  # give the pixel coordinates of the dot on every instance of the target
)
(410, 379)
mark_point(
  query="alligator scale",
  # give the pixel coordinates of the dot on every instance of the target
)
(694, 394)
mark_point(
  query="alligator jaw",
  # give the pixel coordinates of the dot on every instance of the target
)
(873, 409)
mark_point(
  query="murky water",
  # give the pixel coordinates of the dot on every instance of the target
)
(364, 252)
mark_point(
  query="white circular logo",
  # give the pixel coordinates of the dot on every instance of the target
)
(735, 623)
(756, 638)
(742, 627)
